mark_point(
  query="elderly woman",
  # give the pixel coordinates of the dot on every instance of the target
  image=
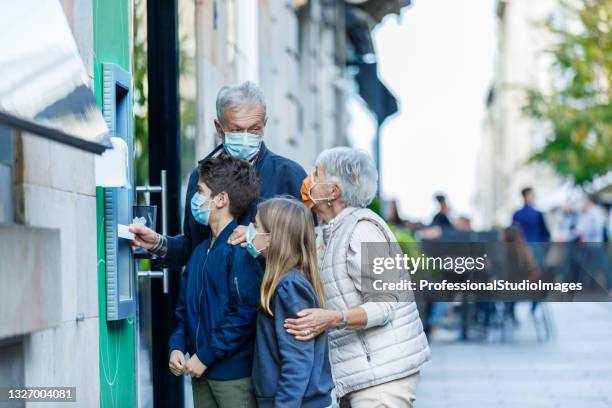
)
(376, 348)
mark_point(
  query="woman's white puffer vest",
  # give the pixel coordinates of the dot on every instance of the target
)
(361, 359)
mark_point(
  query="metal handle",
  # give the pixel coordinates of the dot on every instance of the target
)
(164, 197)
(149, 189)
(164, 214)
(150, 274)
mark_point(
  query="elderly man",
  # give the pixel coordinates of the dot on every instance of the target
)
(240, 123)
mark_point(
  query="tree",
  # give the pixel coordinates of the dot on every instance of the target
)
(141, 102)
(577, 109)
(139, 69)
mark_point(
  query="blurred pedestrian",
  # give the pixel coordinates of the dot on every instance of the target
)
(591, 223)
(438, 311)
(530, 220)
(568, 221)
(463, 223)
(520, 264)
(533, 226)
(590, 230)
(442, 217)
(562, 255)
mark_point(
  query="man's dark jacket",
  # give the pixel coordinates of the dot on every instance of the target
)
(277, 176)
(532, 223)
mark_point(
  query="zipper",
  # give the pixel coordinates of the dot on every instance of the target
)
(200, 299)
(365, 346)
(361, 339)
(237, 290)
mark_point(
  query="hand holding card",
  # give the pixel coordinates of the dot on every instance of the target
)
(123, 231)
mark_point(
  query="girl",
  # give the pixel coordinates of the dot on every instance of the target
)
(288, 372)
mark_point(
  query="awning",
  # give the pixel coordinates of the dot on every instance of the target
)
(361, 54)
(44, 88)
(378, 9)
(379, 99)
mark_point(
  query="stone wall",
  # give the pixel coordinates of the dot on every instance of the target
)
(55, 195)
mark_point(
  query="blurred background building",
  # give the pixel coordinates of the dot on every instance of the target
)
(509, 137)
(298, 52)
(294, 50)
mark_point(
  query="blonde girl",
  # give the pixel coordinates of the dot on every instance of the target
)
(288, 372)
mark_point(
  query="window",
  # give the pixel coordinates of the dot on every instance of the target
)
(6, 175)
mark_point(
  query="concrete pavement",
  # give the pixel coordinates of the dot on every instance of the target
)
(574, 369)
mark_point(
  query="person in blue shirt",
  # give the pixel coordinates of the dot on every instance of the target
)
(533, 226)
(288, 372)
(529, 220)
(217, 308)
(531, 223)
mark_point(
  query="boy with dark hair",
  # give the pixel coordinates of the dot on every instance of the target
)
(219, 297)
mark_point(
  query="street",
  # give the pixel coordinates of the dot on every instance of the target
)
(572, 370)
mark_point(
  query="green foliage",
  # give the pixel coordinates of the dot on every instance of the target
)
(578, 109)
(376, 206)
(186, 104)
(187, 107)
(141, 122)
(406, 240)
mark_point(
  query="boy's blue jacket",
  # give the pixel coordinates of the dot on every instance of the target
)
(217, 307)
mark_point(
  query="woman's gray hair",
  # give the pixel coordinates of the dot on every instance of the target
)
(354, 171)
(238, 95)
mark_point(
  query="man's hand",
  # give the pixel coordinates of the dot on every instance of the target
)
(238, 236)
(194, 367)
(177, 362)
(144, 237)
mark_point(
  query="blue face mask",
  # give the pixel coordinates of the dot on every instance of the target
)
(242, 145)
(250, 236)
(200, 215)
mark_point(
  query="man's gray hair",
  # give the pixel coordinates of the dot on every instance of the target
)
(354, 171)
(238, 95)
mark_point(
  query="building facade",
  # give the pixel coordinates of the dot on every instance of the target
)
(294, 50)
(509, 137)
(53, 329)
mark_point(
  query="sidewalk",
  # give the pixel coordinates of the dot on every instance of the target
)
(572, 370)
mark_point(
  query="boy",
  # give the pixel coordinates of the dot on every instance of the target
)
(219, 298)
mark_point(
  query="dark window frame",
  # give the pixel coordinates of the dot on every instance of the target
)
(7, 211)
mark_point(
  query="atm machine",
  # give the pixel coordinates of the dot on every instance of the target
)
(128, 288)
(121, 292)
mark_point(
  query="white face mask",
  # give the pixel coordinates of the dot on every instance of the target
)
(250, 236)
(242, 145)
(201, 215)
